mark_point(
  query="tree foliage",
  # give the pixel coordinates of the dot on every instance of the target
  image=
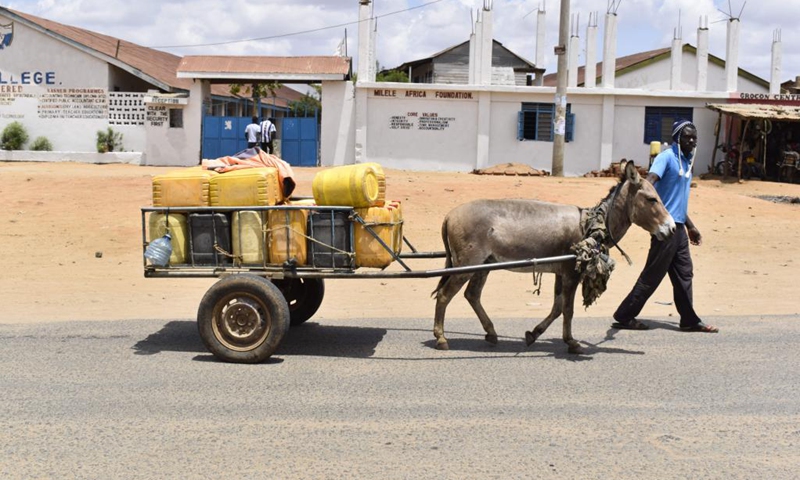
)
(309, 103)
(256, 91)
(392, 76)
(14, 136)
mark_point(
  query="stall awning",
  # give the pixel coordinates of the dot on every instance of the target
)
(759, 111)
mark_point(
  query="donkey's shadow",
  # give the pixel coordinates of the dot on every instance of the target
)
(514, 347)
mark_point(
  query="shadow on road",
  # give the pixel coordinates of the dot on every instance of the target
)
(309, 339)
(512, 347)
(175, 336)
(331, 341)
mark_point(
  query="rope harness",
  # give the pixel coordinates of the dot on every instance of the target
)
(592, 256)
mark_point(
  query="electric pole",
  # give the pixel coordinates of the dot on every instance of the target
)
(560, 125)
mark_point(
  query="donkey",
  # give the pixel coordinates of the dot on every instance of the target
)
(491, 231)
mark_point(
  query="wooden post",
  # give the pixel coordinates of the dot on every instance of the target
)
(741, 149)
(716, 143)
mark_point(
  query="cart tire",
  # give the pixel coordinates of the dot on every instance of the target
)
(242, 319)
(304, 296)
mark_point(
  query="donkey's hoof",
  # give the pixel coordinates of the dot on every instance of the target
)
(491, 339)
(575, 348)
(442, 346)
(530, 337)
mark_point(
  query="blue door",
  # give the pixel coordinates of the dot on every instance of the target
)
(223, 136)
(299, 141)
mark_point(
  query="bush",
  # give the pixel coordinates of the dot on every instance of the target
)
(109, 141)
(14, 136)
(42, 144)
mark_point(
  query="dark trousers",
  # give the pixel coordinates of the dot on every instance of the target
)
(665, 257)
(252, 144)
(267, 147)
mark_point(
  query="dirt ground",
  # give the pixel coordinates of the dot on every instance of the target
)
(72, 239)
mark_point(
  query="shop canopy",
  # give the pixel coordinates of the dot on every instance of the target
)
(759, 111)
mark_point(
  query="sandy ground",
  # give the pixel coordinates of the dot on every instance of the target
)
(71, 234)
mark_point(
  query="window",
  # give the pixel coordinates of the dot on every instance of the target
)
(658, 122)
(175, 118)
(535, 122)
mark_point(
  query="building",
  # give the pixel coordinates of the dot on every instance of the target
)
(615, 108)
(451, 66)
(67, 83)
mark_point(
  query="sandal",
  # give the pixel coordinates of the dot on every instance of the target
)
(700, 327)
(630, 325)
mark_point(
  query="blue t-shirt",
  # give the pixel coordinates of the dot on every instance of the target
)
(673, 187)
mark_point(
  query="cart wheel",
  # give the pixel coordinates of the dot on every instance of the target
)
(242, 319)
(304, 296)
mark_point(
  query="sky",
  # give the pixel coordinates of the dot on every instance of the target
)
(414, 29)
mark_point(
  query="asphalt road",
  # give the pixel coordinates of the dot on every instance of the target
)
(374, 399)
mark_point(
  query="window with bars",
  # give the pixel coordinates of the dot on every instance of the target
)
(175, 118)
(536, 122)
(658, 122)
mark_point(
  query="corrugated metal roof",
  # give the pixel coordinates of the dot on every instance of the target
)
(641, 59)
(790, 113)
(312, 68)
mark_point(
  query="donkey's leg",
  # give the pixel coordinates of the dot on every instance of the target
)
(473, 296)
(531, 336)
(571, 283)
(443, 296)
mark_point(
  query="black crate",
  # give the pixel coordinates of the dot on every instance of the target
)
(206, 231)
(328, 227)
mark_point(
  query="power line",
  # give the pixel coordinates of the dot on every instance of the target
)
(303, 32)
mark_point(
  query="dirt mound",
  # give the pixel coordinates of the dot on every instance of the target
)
(512, 169)
(615, 169)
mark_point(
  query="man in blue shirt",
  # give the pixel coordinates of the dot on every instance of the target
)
(671, 174)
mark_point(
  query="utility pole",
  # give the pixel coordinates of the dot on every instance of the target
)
(560, 126)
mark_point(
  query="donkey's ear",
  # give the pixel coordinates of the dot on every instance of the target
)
(632, 173)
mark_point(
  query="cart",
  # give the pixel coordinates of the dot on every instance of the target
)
(244, 316)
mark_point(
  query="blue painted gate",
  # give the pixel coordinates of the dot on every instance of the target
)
(299, 138)
(299, 145)
(223, 136)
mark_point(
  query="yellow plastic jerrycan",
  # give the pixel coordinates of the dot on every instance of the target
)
(361, 185)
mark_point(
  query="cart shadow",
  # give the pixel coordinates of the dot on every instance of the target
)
(310, 339)
(318, 340)
(175, 336)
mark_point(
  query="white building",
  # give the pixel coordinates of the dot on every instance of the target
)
(66, 83)
(623, 106)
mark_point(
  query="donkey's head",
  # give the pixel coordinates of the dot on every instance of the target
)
(644, 206)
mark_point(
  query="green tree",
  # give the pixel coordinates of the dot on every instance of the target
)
(392, 76)
(256, 91)
(308, 103)
(109, 141)
(14, 136)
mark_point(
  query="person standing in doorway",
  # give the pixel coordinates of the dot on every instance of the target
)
(671, 174)
(268, 134)
(252, 133)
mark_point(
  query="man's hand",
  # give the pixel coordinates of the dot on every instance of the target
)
(694, 236)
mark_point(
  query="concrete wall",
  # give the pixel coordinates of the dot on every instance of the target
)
(609, 126)
(58, 90)
(337, 142)
(38, 75)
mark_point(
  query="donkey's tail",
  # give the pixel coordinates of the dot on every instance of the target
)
(448, 260)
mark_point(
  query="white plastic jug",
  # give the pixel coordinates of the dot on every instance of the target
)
(159, 250)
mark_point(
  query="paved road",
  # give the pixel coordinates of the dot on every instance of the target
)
(373, 399)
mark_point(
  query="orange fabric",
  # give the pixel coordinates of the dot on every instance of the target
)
(263, 159)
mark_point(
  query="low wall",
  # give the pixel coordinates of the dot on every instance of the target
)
(134, 158)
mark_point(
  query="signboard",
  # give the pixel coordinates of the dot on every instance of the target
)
(166, 100)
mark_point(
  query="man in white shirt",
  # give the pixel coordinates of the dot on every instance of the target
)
(252, 133)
